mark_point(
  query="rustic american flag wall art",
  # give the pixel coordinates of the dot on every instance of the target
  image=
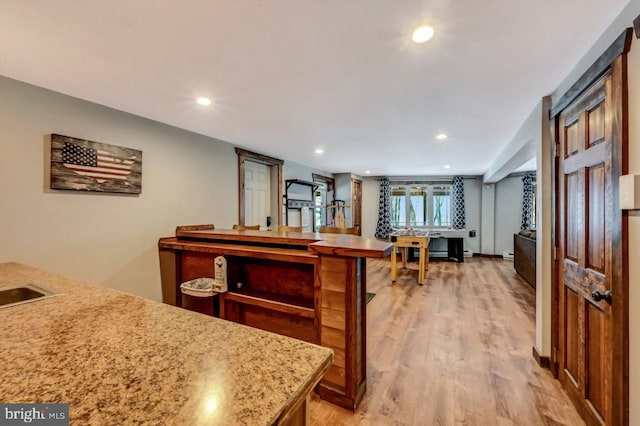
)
(83, 165)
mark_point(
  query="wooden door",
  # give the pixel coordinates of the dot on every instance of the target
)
(257, 195)
(356, 204)
(590, 283)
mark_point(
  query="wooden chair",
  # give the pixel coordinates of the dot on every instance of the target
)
(246, 227)
(336, 230)
(207, 227)
(284, 228)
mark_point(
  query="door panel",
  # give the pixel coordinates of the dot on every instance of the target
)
(248, 206)
(573, 215)
(256, 194)
(595, 118)
(596, 359)
(573, 336)
(596, 207)
(586, 200)
(573, 141)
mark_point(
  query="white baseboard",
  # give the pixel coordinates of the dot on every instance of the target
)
(507, 255)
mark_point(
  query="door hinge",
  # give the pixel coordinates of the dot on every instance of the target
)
(554, 356)
(557, 150)
(555, 253)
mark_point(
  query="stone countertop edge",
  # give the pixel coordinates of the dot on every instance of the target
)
(118, 358)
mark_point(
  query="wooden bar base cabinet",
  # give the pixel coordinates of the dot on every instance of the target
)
(309, 286)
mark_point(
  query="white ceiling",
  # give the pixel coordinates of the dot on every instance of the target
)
(289, 76)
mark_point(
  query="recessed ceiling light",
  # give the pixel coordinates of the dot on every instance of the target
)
(319, 151)
(423, 33)
(367, 172)
(447, 166)
(441, 136)
(204, 101)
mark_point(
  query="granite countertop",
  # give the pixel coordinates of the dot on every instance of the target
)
(121, 359)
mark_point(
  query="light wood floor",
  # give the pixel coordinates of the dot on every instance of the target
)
(456, 351)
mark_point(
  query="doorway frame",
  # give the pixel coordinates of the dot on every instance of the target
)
(330, 184)
(275, 176)
(614, 59)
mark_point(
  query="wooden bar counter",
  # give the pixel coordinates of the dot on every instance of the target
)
(308, 286)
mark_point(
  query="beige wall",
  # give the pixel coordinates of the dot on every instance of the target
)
(370, 201)
(508, 214)
(473, 212)
(107, 239)
(292, 170)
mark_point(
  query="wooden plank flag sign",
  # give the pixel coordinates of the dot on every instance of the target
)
(84, 165)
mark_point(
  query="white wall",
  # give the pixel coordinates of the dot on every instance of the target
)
(291, 170)
(107, 239)
(370, 202)
(508, 214)
(487, 218)
(473, 213)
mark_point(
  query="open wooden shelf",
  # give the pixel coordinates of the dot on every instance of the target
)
(274, 301)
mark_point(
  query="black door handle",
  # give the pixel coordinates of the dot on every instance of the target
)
(597, 296)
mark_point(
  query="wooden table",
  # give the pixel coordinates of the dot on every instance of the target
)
(403, 241)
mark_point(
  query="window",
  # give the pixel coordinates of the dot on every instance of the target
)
(398, 206)
(535, 205)
(441, 206)
(421, 206)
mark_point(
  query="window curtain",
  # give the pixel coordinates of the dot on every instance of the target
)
(527, 201)
(383, 229)
(458, 203)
